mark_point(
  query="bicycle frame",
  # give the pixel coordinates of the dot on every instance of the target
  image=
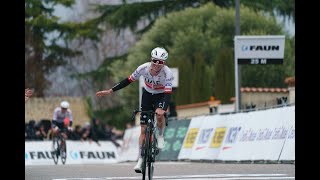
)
(59, 148)
(149, 147)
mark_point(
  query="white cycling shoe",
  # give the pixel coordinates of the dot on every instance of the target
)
(160, 142)
(137, 168)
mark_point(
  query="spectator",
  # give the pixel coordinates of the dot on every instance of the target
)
(31, 130)
(25, 131)
(27, 94)
(110, 136)
(97, 130)
(41, 132)
(49, 134)
(76, 134)
(85, 132)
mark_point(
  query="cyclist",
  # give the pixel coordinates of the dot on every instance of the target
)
(62, 119)
(156, 94)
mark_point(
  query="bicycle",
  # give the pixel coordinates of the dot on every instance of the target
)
(59, 148)
(150, 146)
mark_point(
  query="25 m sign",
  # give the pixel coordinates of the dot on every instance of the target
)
(259, 49)
(261, 61)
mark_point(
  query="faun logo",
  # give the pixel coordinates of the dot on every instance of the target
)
(244, 48)
(74, 154)
(31, 155)
(97, 155)
(260, 48)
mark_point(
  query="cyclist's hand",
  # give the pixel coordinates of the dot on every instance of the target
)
(104, 92)
(55, 128)
(160, 111)
(69, 128)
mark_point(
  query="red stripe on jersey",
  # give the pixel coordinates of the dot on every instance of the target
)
(130, 79)
(159, 87)
(168, 90)
(148, 84)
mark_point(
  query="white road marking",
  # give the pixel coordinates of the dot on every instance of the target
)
(199, 177)
(157, 163)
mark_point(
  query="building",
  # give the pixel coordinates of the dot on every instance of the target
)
(251, 98)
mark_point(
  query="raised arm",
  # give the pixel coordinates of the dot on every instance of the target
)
(125, 82)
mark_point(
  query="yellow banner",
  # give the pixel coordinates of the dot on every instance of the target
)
(191, 137)
(218, 137)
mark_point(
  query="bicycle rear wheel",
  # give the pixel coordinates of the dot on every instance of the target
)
(150, 170)
(145, 155)
(63, 151)
(144, 167)
(55, 152)
(151, 156)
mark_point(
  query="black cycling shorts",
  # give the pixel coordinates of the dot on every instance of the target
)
(61, 126)
(149, 102)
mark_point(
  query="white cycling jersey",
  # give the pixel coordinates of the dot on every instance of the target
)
(161, 83)
(59, 116)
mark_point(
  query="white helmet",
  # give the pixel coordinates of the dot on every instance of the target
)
(64, 104)
(159, 53)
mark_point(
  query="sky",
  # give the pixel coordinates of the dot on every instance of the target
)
(288, 25)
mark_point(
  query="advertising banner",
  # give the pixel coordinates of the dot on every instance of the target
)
(91, 153)
(40, 152)
(288, 150)
(217, 138)
(190, 138)
(246, 136)
(174, 135)
(204, 137)
(261, 136)
(234, 124)
(259, 49)
(130, 147)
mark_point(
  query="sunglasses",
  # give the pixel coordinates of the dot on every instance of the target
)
(156, 61)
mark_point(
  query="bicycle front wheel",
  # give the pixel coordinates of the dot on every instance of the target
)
(151, 156)
(150, 170)
(63, 151)
(145, 154)
(55, 152)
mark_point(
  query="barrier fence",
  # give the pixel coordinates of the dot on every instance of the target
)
(265, 135)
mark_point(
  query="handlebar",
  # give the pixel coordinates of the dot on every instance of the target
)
(149, 112)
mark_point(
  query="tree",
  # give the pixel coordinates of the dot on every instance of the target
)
(224, 71)
(130, 14)
(201, 86)
(46, 41)
(183, 95)
(201, 33)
